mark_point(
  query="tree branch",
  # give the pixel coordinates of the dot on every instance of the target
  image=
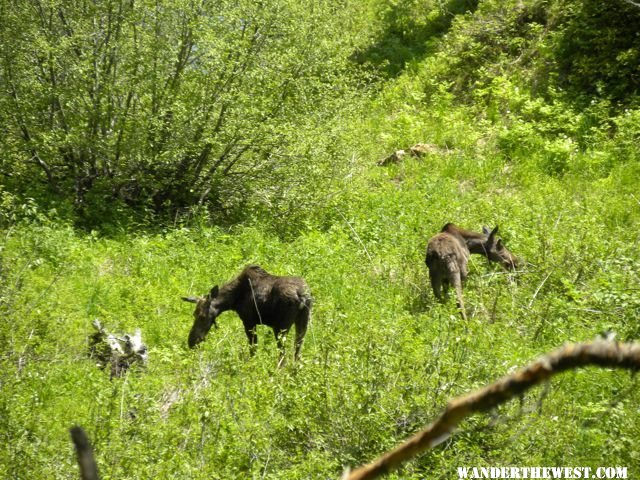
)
(631, 2)
(28, 140)
(600, 353)
(86, 462)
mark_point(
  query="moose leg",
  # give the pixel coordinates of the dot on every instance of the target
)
(280, 334)
(253, 339)
(463, 271)
(457, 284)
(301, 329)
(445, 290)
(436, 284)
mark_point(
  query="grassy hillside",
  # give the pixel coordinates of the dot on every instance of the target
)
(380, 359)
(381, 356)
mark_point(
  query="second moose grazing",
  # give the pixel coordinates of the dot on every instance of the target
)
(448, 253)
(259, 298)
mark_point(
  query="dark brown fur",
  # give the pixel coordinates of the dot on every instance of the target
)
(259, 298)
(485, 243)
(447, 257)
(448, 253)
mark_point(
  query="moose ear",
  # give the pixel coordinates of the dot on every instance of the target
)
(499, 245)
(190, 299)
(214, 292)
(486, 230)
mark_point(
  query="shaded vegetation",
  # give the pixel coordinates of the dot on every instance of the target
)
(598, 50)
(147, 109)
(410, 29)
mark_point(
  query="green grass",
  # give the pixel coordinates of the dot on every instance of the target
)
(380, 359)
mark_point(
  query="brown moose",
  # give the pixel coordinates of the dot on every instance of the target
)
(259, 298)
(448, 253)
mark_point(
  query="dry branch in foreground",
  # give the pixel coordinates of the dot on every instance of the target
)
(600, 353)
(88, 467)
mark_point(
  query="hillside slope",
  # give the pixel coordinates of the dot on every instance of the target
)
(556, 166)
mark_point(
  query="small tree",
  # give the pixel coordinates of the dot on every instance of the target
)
(167, 104)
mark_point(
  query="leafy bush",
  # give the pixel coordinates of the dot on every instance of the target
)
(162, 107)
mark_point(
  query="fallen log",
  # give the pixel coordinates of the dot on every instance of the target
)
(418, 150)
(119, 352)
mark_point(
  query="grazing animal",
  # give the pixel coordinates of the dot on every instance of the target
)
(485, 244)
(259, 298)
(448, 253)
(447, 257)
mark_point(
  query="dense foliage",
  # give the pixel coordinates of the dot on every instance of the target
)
(529, 130)
(165, 105)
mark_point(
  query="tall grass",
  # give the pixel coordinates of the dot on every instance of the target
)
(381, 356)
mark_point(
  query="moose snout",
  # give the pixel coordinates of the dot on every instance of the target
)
(194, 339)
(198, 332)
(511, 264)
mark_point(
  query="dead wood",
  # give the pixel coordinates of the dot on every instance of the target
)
(86, 462)
(395, 157)
(600, 353)
(418, 150)
(117, 351)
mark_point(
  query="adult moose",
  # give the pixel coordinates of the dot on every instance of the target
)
(259, 298)
(448, 253)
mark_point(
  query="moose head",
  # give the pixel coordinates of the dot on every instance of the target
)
(205, 314)
(495, 251)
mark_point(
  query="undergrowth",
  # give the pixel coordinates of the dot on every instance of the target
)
(381, 356)
(380, 359)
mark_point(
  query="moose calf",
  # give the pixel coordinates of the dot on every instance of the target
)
(448, 253)
(259, 298)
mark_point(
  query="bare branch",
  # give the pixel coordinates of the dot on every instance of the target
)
(88, 467)
(600, 353)
(631, 2)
